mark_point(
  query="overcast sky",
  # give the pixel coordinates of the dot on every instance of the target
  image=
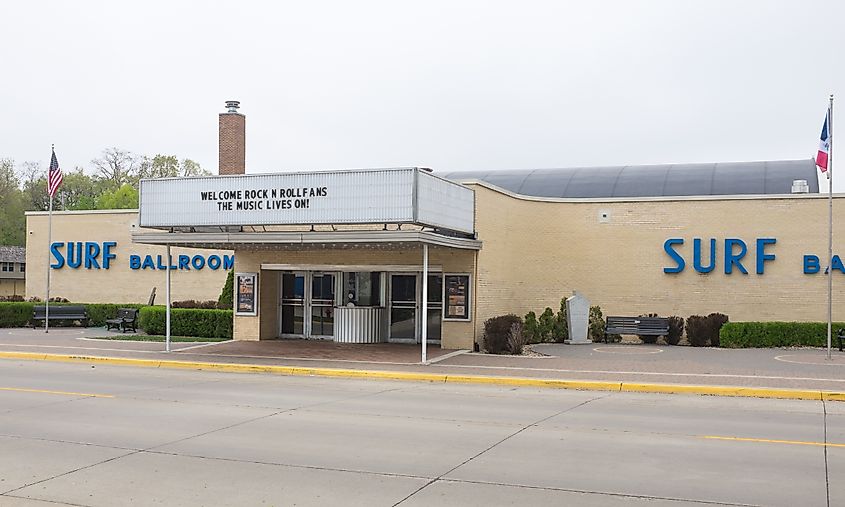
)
(448, 85)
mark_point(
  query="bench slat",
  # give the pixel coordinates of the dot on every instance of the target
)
(654, 326)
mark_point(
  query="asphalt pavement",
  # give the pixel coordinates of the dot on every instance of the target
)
(98, 435)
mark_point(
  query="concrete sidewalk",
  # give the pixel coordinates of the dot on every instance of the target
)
(804, 369)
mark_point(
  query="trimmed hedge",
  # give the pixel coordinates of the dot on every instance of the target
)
(776, 334)
(99, 313)
(187, 322)
(18, 314)
(15, 314)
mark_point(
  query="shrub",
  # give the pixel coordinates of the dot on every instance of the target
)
(696, 331)
(776, 334)
(532, 328)
(15, 314)
(19, 314)
(190, 303)
(596, 328)
(497, 332)
(99, 313)
(187, 322)
(676, 330)
(516, 338)
(715, 323)
(225, 300)
(560, 329)
(645, 337)
(547, 325)
(703, 331)
(14, 298)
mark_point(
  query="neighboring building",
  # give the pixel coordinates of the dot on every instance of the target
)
(12, 271)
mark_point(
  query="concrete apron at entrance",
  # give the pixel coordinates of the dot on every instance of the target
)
(389, 353)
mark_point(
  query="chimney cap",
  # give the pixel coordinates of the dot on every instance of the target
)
(233, 105)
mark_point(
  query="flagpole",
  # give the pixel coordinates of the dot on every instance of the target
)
(830, 228)
(49, 244)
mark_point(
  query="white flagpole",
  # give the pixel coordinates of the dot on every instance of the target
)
(49, 244)
(830, 227)
(167, 298)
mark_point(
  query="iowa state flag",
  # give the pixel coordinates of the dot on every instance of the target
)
(824, 145)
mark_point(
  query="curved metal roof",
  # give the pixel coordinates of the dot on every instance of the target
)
(732, 178)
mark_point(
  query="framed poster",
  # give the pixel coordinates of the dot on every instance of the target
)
(246, 294)
(457, 290)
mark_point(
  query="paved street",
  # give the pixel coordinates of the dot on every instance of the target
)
(100, 435)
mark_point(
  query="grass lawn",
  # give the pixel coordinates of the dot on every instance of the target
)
(156, 338)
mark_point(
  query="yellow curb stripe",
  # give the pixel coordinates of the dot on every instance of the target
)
(748, 392)
(45, 391)
(832, 396)
(794, 394)
(770, 441)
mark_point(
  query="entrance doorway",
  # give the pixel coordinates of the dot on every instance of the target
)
(310, 300)
(406, 307)
(306, 306)
(322, 305)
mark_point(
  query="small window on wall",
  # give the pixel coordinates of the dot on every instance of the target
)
(6, 266)
(23, 267)
(457, 290)
(362, 288)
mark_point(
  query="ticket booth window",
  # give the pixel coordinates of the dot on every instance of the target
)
(362, 288)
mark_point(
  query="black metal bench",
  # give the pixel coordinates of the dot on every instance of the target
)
(126, 319)
(60, 312)
(641, 326)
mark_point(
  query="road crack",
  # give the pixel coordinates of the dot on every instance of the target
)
(505, 439)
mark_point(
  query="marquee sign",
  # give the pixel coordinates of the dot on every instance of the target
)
(338, 197)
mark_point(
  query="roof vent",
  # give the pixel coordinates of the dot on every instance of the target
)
(800, 187)
(233, 105)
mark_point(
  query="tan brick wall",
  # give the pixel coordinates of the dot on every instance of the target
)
(534, 253)
(12, 287)
(232, 144)
(265, 326)
(119, 283)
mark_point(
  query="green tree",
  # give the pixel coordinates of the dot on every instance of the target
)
(78, 191)
(560, 328)
(546, 323)
(33, 182)
(116, 167)
(226, 299)
(125, 197)
(12, 204)
(168, 166)
(532, 328)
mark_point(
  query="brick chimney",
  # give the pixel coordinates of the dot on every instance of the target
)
(232, 140)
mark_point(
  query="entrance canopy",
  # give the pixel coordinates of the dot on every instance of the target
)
(355, 197)
(319, 213)
(287, 240)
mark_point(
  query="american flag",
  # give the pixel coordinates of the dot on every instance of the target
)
(54, 176)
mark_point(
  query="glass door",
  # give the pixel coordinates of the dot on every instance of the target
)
(322, 305)
(292, 305)
(435, 307)
(403, 307)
